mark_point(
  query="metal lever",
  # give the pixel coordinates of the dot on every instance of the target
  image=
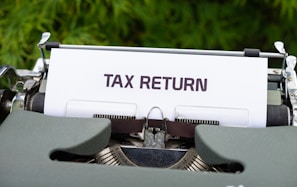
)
(10, 72)
(41, 45)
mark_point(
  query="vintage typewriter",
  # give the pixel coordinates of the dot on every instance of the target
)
(132, 116)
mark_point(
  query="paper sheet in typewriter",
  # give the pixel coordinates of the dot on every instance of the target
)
(228, 89)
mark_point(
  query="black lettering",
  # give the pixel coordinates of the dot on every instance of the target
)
(117, 80)
(108, 76)
(156, 83)
(166, 82)
(200, 84)
(129, 79)
(145, 80)
(189, 82)
(180, 84)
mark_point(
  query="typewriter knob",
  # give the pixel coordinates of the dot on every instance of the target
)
(6, 97)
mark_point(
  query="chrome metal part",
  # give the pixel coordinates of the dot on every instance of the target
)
(168, 50)
(292, 86)
(280, 46)
(41, 45)
(44, 38)
(155, 137)
(18, 102)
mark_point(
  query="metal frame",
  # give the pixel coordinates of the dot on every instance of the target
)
(169, 50)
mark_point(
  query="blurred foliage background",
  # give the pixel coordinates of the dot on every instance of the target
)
(201, 24)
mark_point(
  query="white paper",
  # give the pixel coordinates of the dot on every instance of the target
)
(142, 80)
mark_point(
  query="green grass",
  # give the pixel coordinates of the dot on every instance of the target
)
(228, 25)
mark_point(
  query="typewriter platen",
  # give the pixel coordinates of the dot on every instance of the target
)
(119, 143)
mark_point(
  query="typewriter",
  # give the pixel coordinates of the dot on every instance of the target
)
(130, 116)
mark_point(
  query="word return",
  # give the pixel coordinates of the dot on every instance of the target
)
(156, 82)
